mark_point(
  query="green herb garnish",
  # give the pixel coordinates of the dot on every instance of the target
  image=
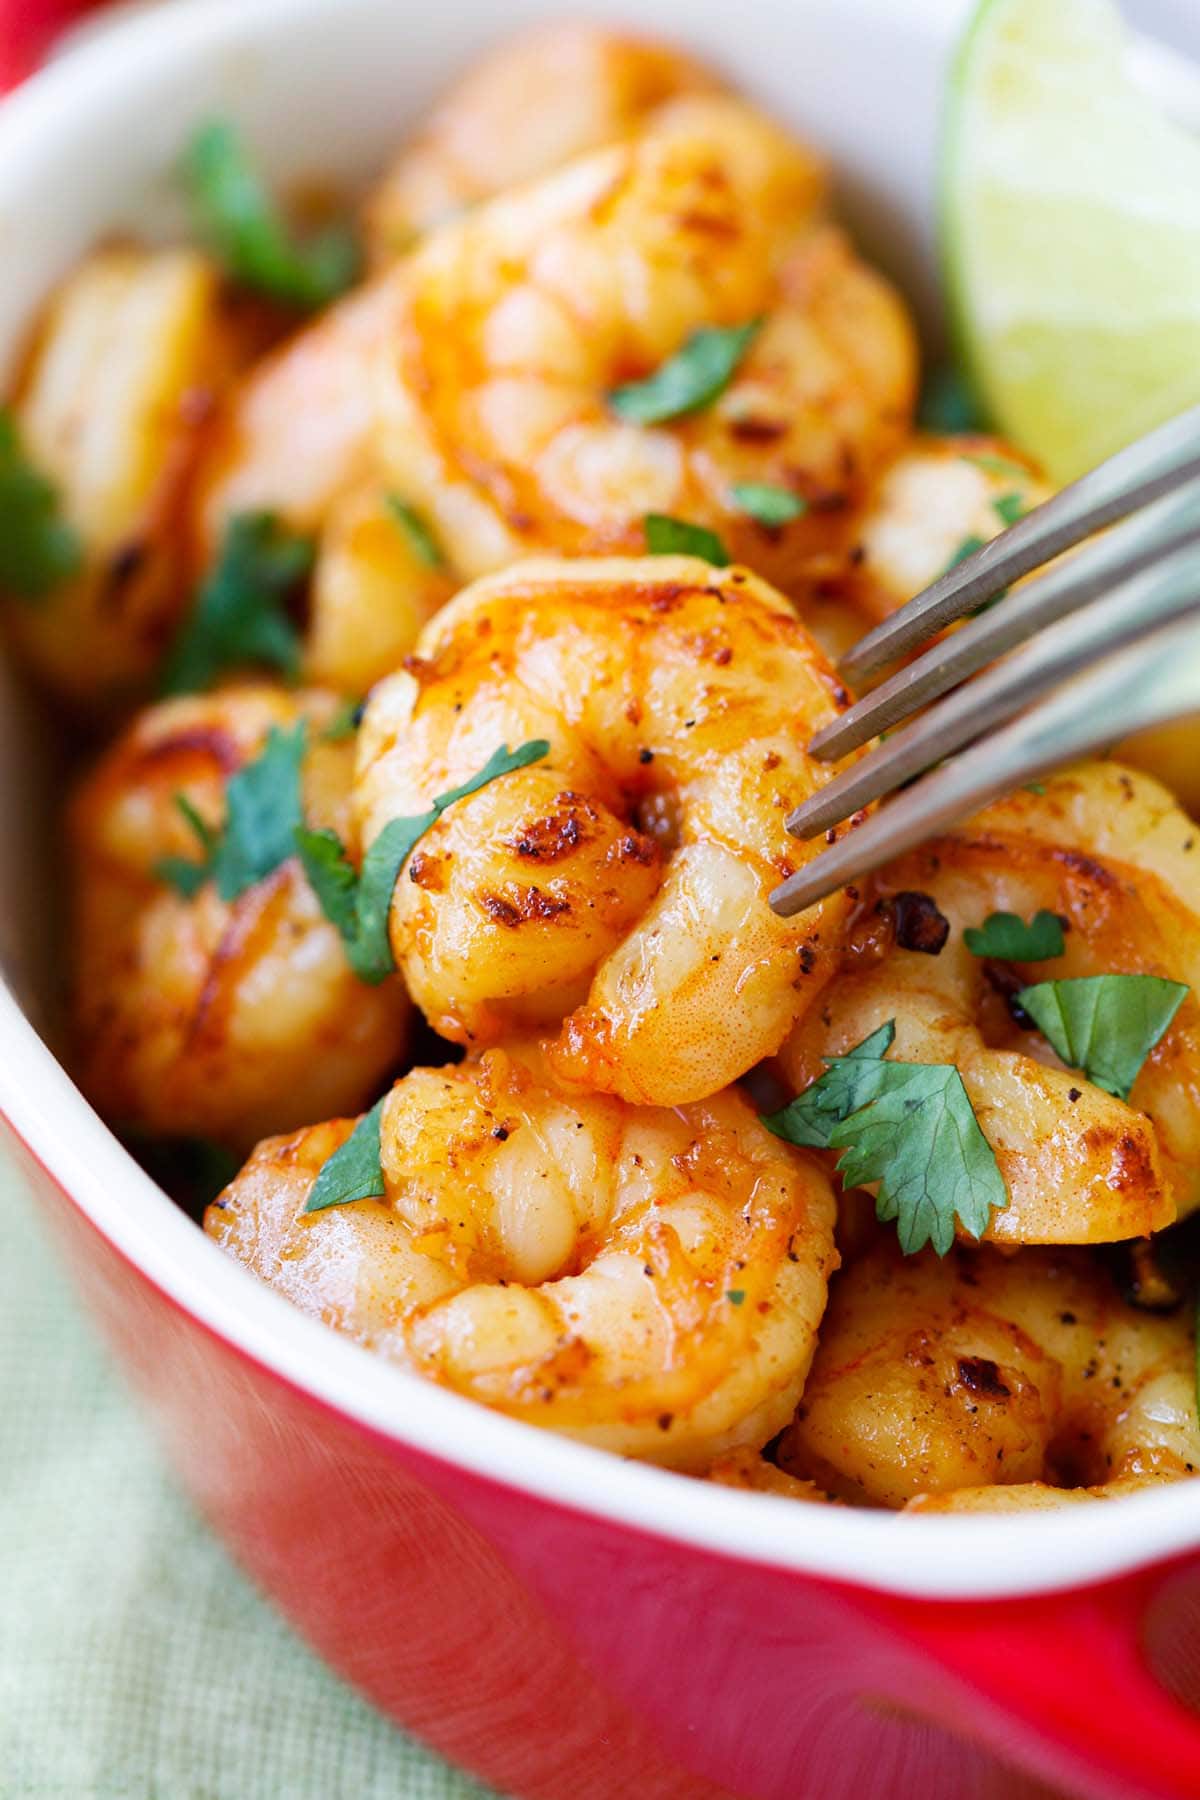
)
(911, 1128)
(947, 403)
(345, 721)
(735, 1296)
(38, 549)
(355, 1171)
(262, 813)
(238, 216)
(1006, 938)
(666, 536)
(690, 379)
(358, 904)
(771, 506)
(1105, 1025)
(239, 616)
(1009, 508)
(996, 465)
(968, 547)
(421, 540)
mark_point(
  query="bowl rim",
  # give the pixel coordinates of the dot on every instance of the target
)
(941, 1558)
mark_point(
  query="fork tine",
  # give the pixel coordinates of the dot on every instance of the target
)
(1157, 680)
(1151, 597)
(1155, 531)
(1155, 464)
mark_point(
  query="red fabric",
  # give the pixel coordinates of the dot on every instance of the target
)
(28, 28)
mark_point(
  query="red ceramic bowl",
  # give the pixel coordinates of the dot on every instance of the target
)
(564, 1624)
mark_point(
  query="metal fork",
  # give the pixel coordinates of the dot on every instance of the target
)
(1124, 610)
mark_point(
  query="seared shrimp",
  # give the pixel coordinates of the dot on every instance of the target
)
(1111, 853)
(372, 592)
(298, 432)
(939, 498)
(751, 1472)
(111, 408)
(198, 1017)
(619, 888)
(989, 1369)
(540, 99)
(648, 1280)
(514, 325)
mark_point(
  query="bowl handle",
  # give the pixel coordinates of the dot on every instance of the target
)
(1067, 1684)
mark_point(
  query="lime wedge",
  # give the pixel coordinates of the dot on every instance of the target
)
(1071, 233)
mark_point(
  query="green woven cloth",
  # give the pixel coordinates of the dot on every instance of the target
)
(135, 1662)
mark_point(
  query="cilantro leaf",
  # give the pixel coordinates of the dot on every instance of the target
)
(359, 904)
(262, 814)
(239, 218)
(239, 616)
(355, 1171)
(666, 536)
(920, 1140)
(908, 1127)
(1105, 1025)
(421, 540)
(996, 465)
(1006, 938)
(690, 379)
(948, 403)
(1009, 508)
(345, 721)
(769, 505)
(967, 547)
(38, 549)
(844, 1087)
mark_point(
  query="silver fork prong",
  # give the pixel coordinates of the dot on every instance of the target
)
(1151, 597)
(1132, 478)
(1149, 683)
(1154, 532)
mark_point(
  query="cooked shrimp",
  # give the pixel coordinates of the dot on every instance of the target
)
(541, 98)
(297, 434)
(989, 1369)
(619, 888)
(1111, 853)
(647, 1280)
(111, 408)
(514, 324)
(371, 594)
(200, 1017)
(751, 1472)
(939, 498)
(1171, 753)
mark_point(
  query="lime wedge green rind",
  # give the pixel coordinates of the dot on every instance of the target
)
(1070, 233)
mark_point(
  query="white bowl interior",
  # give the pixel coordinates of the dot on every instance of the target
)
(326, 86)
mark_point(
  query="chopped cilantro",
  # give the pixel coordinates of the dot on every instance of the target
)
(1006, 938)
(947, 403)
(38, 549)
(694, 377)
(1105, 1025)
(771, 506)
(355, 1172)
(996, 465)
(239, 616)
(1009, 508)
(345, 721)
(910, 1128)
(358, 904)
(735, 1296)
(421, 540)
(262, 813)
(666, 536)
(241, 221)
